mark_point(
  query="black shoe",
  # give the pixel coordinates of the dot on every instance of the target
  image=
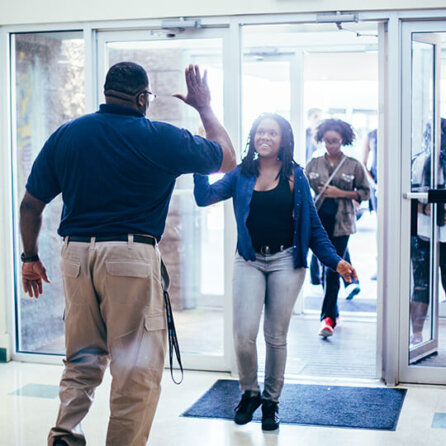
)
(270, 416)
(246, 407)
(59, 442)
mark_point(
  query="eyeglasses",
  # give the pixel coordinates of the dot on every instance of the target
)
(332, 142)
(152, 96)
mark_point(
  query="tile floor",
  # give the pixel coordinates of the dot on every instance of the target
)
(28, 395)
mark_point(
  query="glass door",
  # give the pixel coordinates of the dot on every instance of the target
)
(423, 330)
(47, 90)
(193, 242)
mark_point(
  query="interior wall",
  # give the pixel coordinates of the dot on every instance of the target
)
(50, 11)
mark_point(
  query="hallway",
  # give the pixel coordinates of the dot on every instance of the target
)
(25, 420)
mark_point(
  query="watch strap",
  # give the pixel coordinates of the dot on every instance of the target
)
(34, 258)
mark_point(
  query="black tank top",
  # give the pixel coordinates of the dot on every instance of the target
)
(270, 220)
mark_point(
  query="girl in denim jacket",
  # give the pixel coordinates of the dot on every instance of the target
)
(276, 224)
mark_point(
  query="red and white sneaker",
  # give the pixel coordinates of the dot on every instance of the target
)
(327, 328)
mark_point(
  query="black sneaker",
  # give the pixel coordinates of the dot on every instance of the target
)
(58, 442)
(247, 406)
(270, 416)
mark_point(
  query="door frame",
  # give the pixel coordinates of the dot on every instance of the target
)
(406, 372)
(389, 195)
(232, 55)
(191, 361)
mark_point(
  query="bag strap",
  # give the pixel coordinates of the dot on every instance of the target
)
(171, 331)
(324, 188)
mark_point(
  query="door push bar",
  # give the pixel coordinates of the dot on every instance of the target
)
(432, 196)
(436, 196)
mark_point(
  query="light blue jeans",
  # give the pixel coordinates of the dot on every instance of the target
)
(269, 282)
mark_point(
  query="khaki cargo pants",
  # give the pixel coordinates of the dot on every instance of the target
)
(114, 312)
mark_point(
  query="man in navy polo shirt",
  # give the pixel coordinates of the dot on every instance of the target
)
(116, 171)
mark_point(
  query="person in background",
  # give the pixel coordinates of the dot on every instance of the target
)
(421, 242)
(336, 180)
(276, 224)
(314, 117)
(371, 151)
(116, 171)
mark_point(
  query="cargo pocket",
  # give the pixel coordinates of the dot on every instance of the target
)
(156, 321)
(153, 345)
(70, 269)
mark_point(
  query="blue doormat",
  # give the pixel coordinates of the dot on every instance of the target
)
(314, 405)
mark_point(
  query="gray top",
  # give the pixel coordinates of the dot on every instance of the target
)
(351, 176)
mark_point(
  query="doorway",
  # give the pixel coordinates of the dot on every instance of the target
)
(282, 69)
(296, 70)
(193, 241)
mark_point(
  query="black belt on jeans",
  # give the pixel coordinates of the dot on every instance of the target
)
(266, 250)
(150, 240)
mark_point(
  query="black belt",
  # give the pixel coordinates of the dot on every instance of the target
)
(112, 238)
(266, 250)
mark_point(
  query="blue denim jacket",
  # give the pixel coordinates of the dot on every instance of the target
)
(308, 230)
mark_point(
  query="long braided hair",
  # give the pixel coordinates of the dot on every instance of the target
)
(250, 164)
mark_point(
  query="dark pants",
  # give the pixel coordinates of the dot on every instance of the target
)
(419, 305)
(331, 278)
(420, 256)
(315, 270)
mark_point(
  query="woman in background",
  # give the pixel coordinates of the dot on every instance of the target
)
(337, 180)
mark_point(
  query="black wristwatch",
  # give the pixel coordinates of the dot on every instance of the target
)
(34, 258)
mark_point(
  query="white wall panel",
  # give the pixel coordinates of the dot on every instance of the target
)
(50, 11)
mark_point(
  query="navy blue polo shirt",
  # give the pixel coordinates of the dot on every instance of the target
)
(116, 171)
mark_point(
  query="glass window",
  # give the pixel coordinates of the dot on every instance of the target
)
(48, 90)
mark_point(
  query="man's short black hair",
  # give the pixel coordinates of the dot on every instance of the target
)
(126, 77)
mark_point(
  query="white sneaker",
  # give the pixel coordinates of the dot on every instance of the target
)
(351, 290)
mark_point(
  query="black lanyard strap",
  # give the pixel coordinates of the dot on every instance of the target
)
(171, 331)
(173, 340)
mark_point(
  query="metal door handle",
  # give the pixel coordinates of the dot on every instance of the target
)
(415, 195)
